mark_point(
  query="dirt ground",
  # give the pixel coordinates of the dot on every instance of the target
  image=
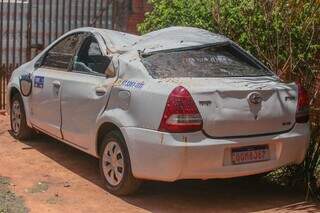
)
(53, 177)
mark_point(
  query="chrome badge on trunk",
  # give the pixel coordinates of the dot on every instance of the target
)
(255, 98)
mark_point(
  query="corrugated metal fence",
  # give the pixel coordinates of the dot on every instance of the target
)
(27, 26)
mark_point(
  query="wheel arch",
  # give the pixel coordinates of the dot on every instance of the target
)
(104, 129)
(13, 91)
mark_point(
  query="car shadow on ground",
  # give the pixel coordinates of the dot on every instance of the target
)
(232, 195)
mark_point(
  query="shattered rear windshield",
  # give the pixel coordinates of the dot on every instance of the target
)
(221, 61)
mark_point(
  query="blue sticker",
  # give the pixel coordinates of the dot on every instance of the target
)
(129, 84)
(132, 84)
(38, 81)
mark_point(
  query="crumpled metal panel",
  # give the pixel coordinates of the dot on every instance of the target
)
(168, 38)
(177, 37)
(117, 41)
(226, 106)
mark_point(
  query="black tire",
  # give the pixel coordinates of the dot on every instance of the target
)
(128, 184)
(23, 132)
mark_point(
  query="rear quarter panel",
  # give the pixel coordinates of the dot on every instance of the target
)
(136, 99)
(129, 106)
(138, 103)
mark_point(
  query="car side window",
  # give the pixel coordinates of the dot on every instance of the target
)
(90, 58)
(61, 54)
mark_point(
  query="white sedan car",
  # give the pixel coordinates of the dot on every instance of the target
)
(178, 103)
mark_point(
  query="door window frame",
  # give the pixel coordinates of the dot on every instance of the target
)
(39, 62)
(89, 34)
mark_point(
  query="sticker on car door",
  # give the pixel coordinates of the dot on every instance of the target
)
(38, 81)
(129, 84)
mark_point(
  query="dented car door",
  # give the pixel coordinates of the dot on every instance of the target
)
(47, 85)
(85, 93)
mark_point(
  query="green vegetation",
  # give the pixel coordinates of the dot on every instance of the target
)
(9, 202)
(195, 13)
(284, 34)
(39, 187)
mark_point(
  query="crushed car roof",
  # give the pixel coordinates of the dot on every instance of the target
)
(176, 37)
(116, 41)
(167, 38)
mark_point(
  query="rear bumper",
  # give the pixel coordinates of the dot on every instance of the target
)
(169, 157)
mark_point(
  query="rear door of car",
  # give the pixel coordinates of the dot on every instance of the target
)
(46, 92)
(85, 92)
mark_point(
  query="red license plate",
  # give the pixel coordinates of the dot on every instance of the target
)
(250, 154)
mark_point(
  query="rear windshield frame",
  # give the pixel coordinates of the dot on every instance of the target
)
(239, 51)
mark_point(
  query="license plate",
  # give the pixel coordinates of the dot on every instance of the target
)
(250, 154)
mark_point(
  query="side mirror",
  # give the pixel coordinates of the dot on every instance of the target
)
(25, 85)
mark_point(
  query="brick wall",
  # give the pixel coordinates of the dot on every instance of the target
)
(138, 9)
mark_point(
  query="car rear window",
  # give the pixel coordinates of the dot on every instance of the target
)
(218, 61)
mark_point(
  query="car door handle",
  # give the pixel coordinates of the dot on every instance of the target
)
(56, 84)
(100, 91)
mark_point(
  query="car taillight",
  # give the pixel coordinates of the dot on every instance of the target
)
(302, 114)
(181, 113)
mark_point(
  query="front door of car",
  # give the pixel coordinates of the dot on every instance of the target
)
(47, 84)
(85, 93)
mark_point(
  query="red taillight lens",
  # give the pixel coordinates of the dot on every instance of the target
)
(181, 113)
(302, 114)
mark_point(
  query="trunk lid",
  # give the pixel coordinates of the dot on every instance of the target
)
(246, 106)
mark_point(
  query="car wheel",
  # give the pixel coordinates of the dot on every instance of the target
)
(19, 127)
(115, 166)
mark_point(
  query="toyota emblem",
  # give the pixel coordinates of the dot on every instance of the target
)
(255, 98)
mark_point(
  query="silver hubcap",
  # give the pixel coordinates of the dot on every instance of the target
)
(113, 163)
(16, 116)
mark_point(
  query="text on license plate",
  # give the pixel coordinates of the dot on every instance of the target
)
(250, 154)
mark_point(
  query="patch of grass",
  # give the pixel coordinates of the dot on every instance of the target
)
(4, 181)
(39, 187)
(54, 199)
(9, 202)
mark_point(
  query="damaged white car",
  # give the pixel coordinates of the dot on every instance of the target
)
(178, 103)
